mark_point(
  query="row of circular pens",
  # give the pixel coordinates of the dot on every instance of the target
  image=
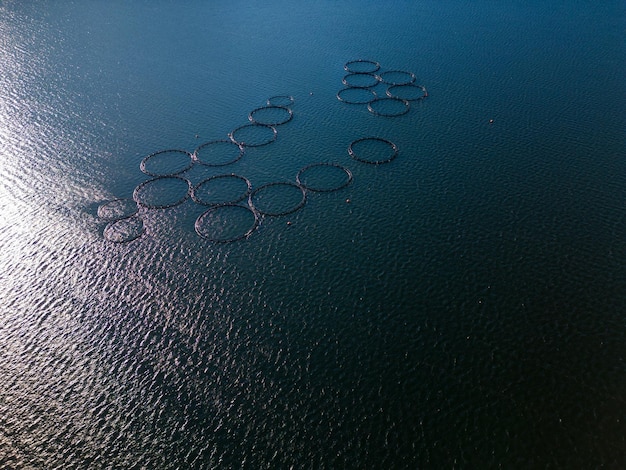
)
(234, 208)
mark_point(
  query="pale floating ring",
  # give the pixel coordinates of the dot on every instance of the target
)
(280, 100)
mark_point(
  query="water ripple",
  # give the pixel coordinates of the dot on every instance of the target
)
(459, 306)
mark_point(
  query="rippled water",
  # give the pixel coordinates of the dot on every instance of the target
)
(460, 306)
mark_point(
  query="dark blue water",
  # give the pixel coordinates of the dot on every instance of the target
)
(462, 306)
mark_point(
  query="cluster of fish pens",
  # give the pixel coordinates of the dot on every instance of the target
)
(234, 207)
(365, 77)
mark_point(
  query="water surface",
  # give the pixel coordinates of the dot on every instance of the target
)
(460, 306)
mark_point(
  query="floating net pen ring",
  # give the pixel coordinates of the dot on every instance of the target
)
(287, 115)
(310, 187)
(280, 100)
(361, 66)
(255, 193)
(199, 200)
(353, 95)
(361, 158)
(401, 77)
(360, 80)
(117, 209)
(214, 211)
(185, 163)
(243, 143)
(146, 184)
(372, 105)
(124, 230)
(415, 92)
(197, 153)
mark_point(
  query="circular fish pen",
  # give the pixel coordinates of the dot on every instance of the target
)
(117, 209)
(408, 92)
(124, 230)
(221, 189)
(253, 135)
(270, 115)
(389, 107)
(324, 177)
(361, 66)
(351, 95)
(166, 163)
(396, 77)
(226, 223)
(218, 153)
(373, 150)
(162, 192)
(360, 80)
(280, 100)
(278, 198)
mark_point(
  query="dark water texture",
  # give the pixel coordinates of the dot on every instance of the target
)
(465, 308)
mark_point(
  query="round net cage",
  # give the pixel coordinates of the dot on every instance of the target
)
(360, 80)
(218, 153)
(361, 66)
(280, 100)
(226, 223)
(409, 92)
(253, 135)
(388, 107)
(221, 189)
(162, 192)
(270, 115)
(166, 163)
(373, 150)
(124, 230)
(397, 77)
(117, 209)
(276, 199)
(352, 95)
(324, 177)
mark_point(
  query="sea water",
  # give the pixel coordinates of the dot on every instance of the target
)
(462, 306)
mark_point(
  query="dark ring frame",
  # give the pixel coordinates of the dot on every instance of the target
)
(407, 107)
(226, 240)
(231, 135)
(162, 206)
(277, 214)
(346, 80)
(393, 146)
(230, 141)
(343, 100)
(374, 64)
(313, 165)
(277, 123)
(388, 82)
(142, 165)
(198, 200)
(412, 85)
